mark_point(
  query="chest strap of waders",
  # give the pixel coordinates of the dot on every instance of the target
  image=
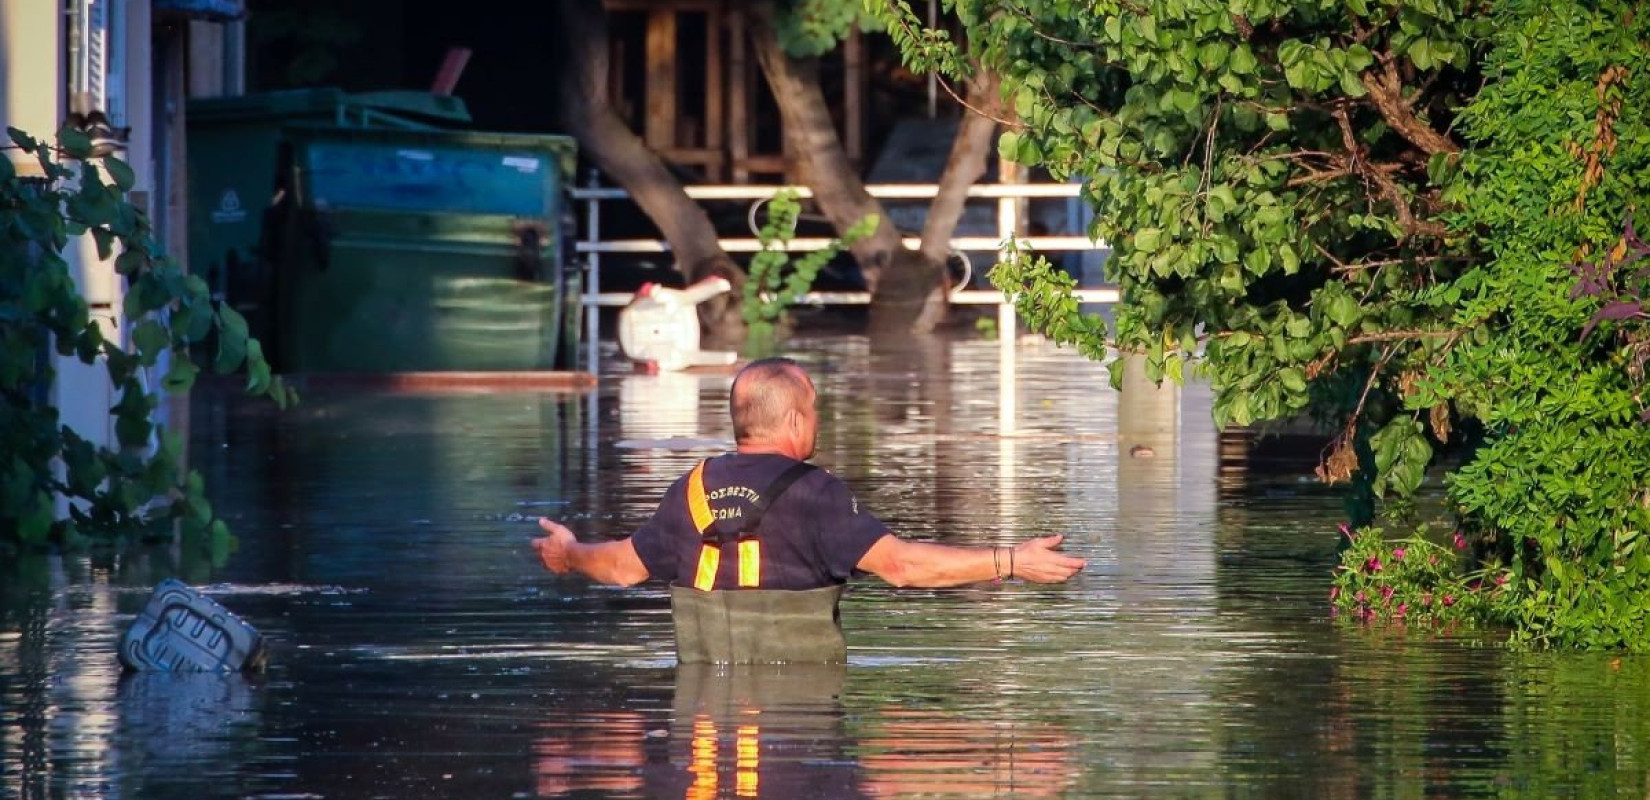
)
(713, 536)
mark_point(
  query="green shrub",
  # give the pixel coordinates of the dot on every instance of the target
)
(138, 488)
(775, 280)
(1406, 219)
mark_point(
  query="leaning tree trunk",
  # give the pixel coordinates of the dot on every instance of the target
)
(926, 298)
(623, 156)
(908, 288)
(808, 125)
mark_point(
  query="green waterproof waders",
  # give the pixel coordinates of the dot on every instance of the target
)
(758, 626)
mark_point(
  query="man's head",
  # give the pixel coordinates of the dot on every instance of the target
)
(773, 408)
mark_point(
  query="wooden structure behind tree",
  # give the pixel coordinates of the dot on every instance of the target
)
(682, 74)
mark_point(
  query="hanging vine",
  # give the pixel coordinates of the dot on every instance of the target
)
(136, 489)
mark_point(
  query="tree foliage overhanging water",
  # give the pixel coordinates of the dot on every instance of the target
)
(1412, 220)
(136, 487)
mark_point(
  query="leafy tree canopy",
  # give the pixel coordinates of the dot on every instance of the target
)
(1406, 218)
(810, 28)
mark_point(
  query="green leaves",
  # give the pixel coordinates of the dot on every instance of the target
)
(1220, 201)
(767, 292)
(180, 377)
(151, 337)
(74, 142)
(1401, 457)
(232, 339)
(1330, 250)
(1019, 149)
(1420, 54)
(119, 491)
(121, 173)
(808, 28)
(1560, 475)
(1146, 27)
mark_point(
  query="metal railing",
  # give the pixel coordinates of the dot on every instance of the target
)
(1007, 196)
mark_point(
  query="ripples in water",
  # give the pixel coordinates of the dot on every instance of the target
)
(420, 651)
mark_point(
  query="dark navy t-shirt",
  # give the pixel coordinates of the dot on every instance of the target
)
(812, 536)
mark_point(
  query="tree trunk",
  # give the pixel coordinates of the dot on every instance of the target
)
(926, 297)
(909, 289)
(621, 154)
(807, 120)
(964, 166)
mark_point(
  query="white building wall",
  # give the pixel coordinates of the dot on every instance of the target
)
(38, 63)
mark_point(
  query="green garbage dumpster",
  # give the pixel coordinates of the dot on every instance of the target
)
(237, 150)
(424, 251)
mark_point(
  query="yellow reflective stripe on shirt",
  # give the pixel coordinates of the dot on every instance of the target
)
(709, 559)
(750, 563)
(710, 555)
(698, 505)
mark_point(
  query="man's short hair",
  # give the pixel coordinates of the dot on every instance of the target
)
(763, 392)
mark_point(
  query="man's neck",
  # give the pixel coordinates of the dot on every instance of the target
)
(766, 448)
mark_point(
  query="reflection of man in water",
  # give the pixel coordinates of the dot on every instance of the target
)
(784, 732)
(746, 731)
(758, 544)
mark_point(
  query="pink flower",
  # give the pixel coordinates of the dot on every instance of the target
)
(1449, 600)
(1501, 580)
(1460, 541)
(1334, 592)
(1426, 599)
(1473, 584)
(1399, 611)
(1372, 565)
(1398, 554)
(1346, 530)
(1386, 592)
(1361, 597)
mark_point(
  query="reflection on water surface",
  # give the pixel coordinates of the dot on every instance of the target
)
(419, 651)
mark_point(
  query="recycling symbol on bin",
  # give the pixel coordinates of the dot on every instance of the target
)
(229, 208)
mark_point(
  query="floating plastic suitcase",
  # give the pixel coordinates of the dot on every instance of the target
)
(182, 630)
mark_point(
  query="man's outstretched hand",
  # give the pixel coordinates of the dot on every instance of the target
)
(603, 562)
(555, 546)
(1036, 560)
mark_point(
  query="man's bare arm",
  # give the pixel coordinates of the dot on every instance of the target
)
(603, 562)
(920, 564)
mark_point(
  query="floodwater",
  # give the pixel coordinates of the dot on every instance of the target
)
(419, 651)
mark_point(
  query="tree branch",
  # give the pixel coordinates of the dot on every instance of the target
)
(1386, 93)
(1402, 336)
(1380, 175)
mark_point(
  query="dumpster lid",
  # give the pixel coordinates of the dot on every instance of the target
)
(392, 109)
(563, 149)
(207, 10)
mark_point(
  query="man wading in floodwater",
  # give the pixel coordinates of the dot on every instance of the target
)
(758, 545)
